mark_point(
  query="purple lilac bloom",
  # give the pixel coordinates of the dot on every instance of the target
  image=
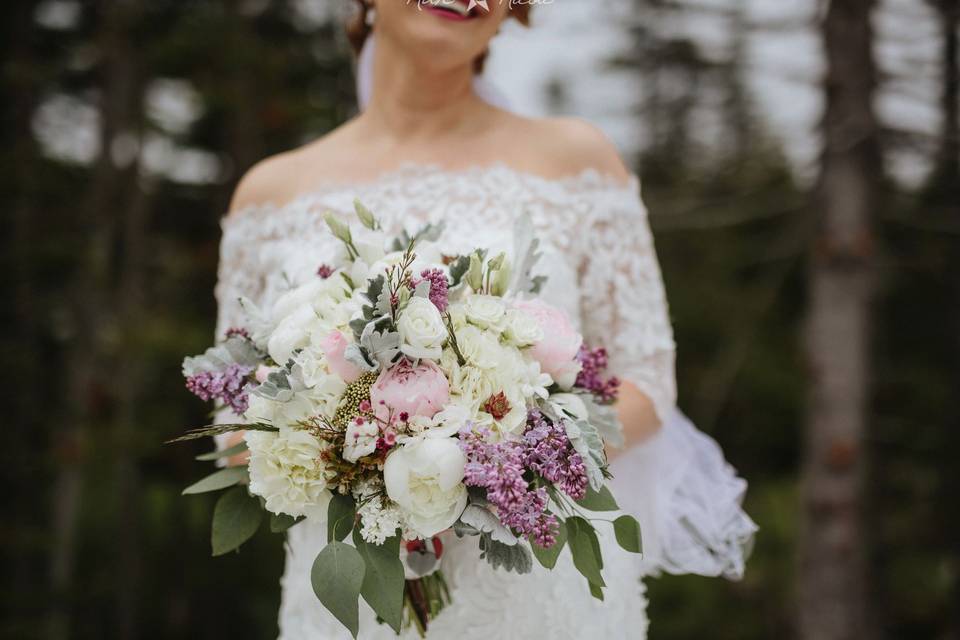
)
(498, 468)
(438, 286)
(230, 386)
(594, 363)
(548, 452)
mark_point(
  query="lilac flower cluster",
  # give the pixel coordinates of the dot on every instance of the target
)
(594, 363)
(230, 386)
(548, 452)
(499, 468)
(439, 288)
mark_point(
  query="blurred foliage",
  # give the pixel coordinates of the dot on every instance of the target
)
(732, 232)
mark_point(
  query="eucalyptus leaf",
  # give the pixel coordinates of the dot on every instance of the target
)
(218, 480)
(383, 578)
(584, 547)
(601, 500)
(337, 577)
(280, 522)
(627, 531)
(236, 518)
(236, 449)
(596, 592)
(341, 513)
(547, 556)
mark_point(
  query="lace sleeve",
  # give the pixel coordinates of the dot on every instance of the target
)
(677, 483)
(623, 304)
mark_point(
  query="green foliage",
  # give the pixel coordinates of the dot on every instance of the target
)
(236, 519)
(627, 531)
(383, 579)
(601, 500)
(511, 557)
(548, 556)
(585, 549)
(218, 480)
(337, 578)
(341, 513)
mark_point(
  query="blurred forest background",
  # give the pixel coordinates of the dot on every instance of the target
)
(817, 309)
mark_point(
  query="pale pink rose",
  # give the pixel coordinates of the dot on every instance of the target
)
(420, 390)
(557, 351)
(333, 346)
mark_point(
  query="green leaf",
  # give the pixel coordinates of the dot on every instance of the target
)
(627, 530)
(280, 522)
(219, 480)
(596, 592)
(601, 500)
(365, 215)
(340, 516)
(547, 556)
(236, 518)
(337, 577)
(238, 448)
(584, 547)
(383, 579)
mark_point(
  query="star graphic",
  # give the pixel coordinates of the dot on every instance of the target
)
(480, 3)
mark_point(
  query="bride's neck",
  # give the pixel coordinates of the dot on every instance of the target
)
(410, 102)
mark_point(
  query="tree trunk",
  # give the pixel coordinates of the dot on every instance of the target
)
(832, 571)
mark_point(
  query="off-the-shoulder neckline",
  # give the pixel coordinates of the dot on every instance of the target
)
(587, 178)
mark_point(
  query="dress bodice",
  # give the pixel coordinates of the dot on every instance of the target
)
(598, 250)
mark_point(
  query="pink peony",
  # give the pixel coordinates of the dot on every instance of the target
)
(557, 351)
(333, 346)
(420, 390)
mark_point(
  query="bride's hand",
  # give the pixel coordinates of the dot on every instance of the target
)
(241, 458)
(637, 415)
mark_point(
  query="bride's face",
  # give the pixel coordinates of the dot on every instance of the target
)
(440, 34)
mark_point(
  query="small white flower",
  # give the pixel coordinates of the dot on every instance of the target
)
(425, 478)
(422, 331)
(487, 312)
(360, 439)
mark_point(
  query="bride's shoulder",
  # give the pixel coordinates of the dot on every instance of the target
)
(565, 146)
(279, 178)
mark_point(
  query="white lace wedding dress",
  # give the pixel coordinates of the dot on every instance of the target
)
(604, 271)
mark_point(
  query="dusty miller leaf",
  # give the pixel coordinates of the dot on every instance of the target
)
(516, 558)
(484, 521)
(234, 350)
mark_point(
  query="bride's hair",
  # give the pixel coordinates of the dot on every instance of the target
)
(358, 30)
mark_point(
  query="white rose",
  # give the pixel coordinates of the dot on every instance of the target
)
(478, 347)
(521, 329)
(285, 470)
(425, 479)
(360, 440)
(422, 332)
(297, 299)
(293, 332)
(487, 312)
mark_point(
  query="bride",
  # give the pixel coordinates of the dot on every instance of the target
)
(429, 146)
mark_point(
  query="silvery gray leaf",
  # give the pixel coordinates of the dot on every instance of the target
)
(485, 522)
(382, 306)
(587, 442)
(355, 354)
(526, 255)
(422, 290)
(381, 345)
(235, 350)
(515, 557)
(604, 418)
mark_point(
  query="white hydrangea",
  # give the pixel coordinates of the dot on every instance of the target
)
(286, 471)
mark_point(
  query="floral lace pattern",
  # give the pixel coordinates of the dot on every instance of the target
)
(599, 250)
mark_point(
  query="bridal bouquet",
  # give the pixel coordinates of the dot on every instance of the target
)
(402, 393)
